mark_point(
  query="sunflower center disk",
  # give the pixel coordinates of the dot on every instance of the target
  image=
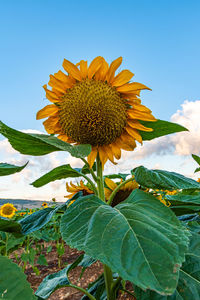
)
(92, 112)
(8, 210)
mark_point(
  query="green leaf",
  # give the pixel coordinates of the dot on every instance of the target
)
(160, 128)
(140, 238)
(56, 280)
(9, 225)
(189, 281)
(61, 172)
(38, 219)
(119, 175)
(7, 169)
(13, 241)
(196, 158)
(42, 260)
(13, 283)
(160, 179)
(40, 144)
(197, 170)
(184, 204)
(85, 169)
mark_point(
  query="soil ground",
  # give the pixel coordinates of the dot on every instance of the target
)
(91, 274)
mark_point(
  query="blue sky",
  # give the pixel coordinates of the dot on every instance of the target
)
(158, 40)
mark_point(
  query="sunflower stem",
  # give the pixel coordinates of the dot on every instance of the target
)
(81, 290)
(117, 189)
(100, 181)
(107, 271)
(90, 169)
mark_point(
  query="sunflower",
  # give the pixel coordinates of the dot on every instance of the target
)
(90, 105)
(73, 189)
(44, 204)
(7, 210)
(122, 194)
(160, 198)
(174, 192)
(22, 214)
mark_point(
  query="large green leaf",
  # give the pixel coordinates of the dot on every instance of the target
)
(140, 238)
(13, 283)
(56, 280)
(160, 128)
(9, 225)
(61, 172)
(160, 179)
(7, 169)
(188, 287)
(184, 204)
(40, 144)
(38, 219)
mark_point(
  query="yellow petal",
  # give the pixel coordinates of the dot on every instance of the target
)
(131, 87)
(140, 107)
(138, 125)
(101, 73)
(67, 80)
(83, 68)
(70, 189)
(109, 152)
(113, 67)
(65, 138)
(51, 125)
(94, 66)
(102, 155)
(71, 69)
(126, 142)
(134, 133)
(51, 96)
(122, 78)
(47, 111)
(58, 84)
(107, 193)
(141, 115)
(110, 183)
(116, 150)
(92, 156)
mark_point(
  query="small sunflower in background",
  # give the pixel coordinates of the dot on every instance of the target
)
(7, 210)
(161, 199)
(73, 189)
(44, 205)
(174, 192)
(92, 105)
(22, 214)
(122, 194)
(198, 180)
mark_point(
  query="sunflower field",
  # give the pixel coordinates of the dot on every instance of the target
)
(138, 232)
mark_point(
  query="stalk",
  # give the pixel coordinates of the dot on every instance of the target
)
(107, 271)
